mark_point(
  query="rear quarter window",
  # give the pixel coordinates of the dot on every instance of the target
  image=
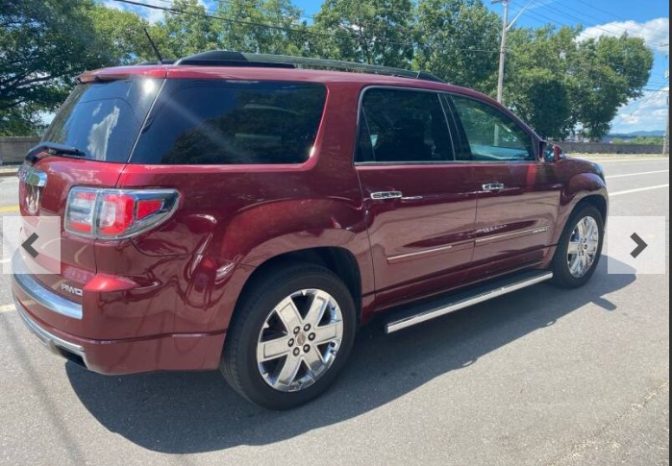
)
(103, 119)
(231, 122)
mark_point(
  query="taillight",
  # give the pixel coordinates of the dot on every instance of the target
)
(117, 213)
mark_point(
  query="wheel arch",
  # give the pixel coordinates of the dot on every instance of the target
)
(596, 200)
(581, 189)
(339, 260)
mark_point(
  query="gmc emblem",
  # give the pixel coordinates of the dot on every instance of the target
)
(34, 180)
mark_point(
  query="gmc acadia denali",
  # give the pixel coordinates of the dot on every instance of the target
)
(248, 213)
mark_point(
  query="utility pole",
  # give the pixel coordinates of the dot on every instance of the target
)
(666, 140)
(506, 25)
(502, 49)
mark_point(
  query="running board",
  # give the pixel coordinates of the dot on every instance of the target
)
(446, 304)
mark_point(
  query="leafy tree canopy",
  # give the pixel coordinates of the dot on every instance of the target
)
(553, 81)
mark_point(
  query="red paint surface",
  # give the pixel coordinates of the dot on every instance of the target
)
(164, 299)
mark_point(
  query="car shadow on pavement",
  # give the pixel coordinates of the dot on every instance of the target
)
(197, 412)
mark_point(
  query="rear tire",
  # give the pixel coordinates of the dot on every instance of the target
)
(290, 336)
(579, 249)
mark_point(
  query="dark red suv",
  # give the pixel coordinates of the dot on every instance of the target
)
(245, 213)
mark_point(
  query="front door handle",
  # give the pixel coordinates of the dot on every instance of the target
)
(490, 187)
(384, 195)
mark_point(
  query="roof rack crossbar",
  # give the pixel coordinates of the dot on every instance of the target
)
(229, 58)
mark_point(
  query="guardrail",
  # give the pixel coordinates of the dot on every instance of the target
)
(13, 148)
(606, 148)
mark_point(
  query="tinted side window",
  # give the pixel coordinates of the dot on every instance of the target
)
(103, 119)
(491, 135)
(403, 126)
(232, 122)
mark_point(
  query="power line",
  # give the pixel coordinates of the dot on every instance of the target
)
(589, 5)
(272, 26)
(544, 19)
(228, 20)
(584, 23)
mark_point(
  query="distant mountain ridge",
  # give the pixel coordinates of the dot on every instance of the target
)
(634, 134)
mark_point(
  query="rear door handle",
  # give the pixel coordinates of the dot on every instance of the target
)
(492, 186)
(384, 195)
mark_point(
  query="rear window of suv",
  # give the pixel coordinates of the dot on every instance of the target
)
(231, 122)
(102, 119)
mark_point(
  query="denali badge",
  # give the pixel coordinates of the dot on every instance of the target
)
(71, 289)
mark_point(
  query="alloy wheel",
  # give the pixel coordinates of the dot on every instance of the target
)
(583, 245)
(299, 340)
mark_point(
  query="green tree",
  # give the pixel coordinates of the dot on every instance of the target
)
(43, 44)
(608, 72)
(558, 83)
(538, 85)
(122, 35)
(458, 41)
(543, 101)
(368, 31)
(262, 26)
(186, 30)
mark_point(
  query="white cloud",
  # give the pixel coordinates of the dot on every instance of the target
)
(649, 112)
(656, 32)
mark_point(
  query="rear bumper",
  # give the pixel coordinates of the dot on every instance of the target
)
(198, 351)
(53, 343)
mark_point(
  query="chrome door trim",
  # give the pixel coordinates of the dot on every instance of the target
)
(384, 195)
(493, 187)
(400, 257)
(512, 234)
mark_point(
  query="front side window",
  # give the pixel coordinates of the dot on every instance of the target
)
(491, 135)
(403, 126)
(231, 122)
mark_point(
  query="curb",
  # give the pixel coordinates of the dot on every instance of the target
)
(9, 171)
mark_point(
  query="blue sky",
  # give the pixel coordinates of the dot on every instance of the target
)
(648, 19)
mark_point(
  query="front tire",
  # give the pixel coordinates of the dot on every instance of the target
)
(290, 336)
(579, 249)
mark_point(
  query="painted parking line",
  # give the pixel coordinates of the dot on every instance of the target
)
(7, 308)
(637, 190)
(637, 174)
(9, 208)
(651, 159)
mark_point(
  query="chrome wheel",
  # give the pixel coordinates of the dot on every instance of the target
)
(299, 340)
(583, 245)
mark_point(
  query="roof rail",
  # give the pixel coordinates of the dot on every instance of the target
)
(229, 58)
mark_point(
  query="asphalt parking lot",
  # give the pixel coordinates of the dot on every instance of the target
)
(541, 376)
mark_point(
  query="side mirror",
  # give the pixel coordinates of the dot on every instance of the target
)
(550, 152)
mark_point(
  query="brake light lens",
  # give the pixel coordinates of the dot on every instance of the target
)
(117, 213)
(81, 208)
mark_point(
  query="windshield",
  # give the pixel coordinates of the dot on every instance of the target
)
(103, 119)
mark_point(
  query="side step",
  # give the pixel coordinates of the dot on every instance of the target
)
(446, 304)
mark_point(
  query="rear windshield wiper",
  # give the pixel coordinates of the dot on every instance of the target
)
(54, 148)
